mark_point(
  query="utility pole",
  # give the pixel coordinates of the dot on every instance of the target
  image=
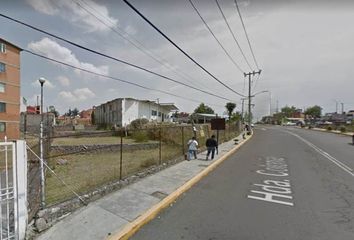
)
(342, 107)
(249, 74)
(242, 111)
(277, 109)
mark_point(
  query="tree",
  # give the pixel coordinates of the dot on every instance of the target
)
(230, 108)
(236, 117)
(202, 108)
(288, 111)
(72, 113)
(68, 113)
(53, 110)
(315, 111)
(75, 112)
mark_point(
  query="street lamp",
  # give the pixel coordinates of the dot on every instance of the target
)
(270, 99)
(42, 81)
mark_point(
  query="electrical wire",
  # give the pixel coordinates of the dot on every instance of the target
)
(114, 78)
(110, 57)
(233, 35)
(180, 49)
(137, 44)
(217, 40)
(248, 40)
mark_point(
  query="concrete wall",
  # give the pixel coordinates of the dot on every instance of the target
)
(130, 111)
(109, 113)
(31, 122)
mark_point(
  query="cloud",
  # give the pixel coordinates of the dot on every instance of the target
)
(77, 95)
(77, 13)
(130, 30)
(53, 50)
(64, 81)
(47, 84)
(43, 6)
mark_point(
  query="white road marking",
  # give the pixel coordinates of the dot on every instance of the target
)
(325, 154)
(277, 190)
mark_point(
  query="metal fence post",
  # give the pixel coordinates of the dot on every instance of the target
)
(42, 166)
(183, 151)
(160, 146)
(121, 157)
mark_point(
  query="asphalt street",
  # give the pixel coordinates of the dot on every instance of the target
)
(285, 183)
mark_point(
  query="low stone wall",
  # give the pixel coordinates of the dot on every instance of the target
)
(47, 217)
(71, 149)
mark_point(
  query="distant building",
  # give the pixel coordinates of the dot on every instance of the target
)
(203, 117)
(85, 117)
(298, 114)
(335, 118)
(350, 116)
(9, 90)
(122, 111)
(33, 110)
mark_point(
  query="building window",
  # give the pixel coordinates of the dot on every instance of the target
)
(2, 127)
(2, 47)
(2, 67)
(2, 107)
(153, 113)
(159, 114)
(2, 87)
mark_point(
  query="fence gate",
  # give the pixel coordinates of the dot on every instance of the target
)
(13, 182)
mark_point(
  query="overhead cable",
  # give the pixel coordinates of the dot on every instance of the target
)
(110, 57)
(233, 35)
(110, 77)
(217, 40)
(248, 40)
(137, 44)
(180, 49)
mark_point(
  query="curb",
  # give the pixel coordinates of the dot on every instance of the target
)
(332, 131)
(131, 228)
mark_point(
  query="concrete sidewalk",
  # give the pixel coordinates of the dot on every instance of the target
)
(113, 212)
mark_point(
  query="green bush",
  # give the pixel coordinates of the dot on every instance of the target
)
(329, 128)
(140, 136)
(310, 127)
(138, 123)
(343, 129)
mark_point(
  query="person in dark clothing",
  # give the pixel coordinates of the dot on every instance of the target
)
(211, 145)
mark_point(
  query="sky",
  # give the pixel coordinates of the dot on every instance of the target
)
(304, 49)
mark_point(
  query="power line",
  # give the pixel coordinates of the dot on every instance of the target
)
(180, 49)
(110, 77)
(136, 44)
(217, 40)
(233, 35)
(248, 40)
(110, 57)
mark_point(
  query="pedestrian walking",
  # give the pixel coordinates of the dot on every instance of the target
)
(192, 148)
(211, 145)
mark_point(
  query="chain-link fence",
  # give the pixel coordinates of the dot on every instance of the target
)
(86, 161)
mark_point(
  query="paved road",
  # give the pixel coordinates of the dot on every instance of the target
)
(286, 183)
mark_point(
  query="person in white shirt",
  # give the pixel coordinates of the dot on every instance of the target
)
(192, 148)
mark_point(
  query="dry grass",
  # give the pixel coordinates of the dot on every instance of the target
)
(85, 172)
